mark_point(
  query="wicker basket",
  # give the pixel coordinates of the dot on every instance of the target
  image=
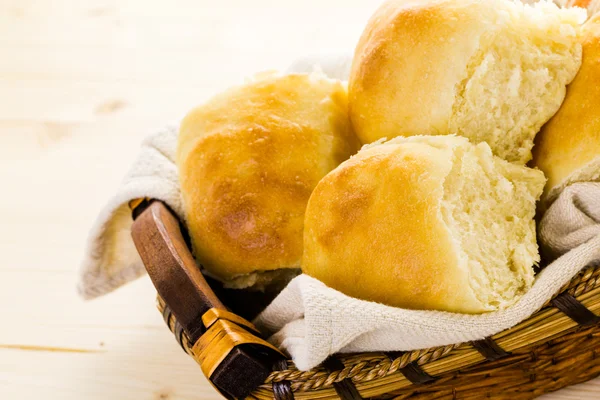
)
(556, 347)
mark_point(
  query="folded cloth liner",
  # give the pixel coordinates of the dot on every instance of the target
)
(110, 259)
(311, 321)
(572, 220)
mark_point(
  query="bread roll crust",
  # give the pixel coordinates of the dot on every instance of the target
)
(379, 206)
(568, 147)
(426, 222)
(399, 55)
(493, 71)
(249, 160)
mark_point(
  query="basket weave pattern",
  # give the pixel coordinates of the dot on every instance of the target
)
(556, 347)
(548, 351)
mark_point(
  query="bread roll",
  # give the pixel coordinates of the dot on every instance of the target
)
(568, 147)
(492, 71)
(248, 161)
(426, 222)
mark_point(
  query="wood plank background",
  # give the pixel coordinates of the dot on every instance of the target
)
(81, 83)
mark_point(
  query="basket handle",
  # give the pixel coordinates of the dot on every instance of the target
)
(227, 347)
(172, 267)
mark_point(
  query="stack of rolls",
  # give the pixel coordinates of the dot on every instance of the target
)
(436, 211)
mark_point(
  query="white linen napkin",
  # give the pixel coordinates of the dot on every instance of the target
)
(110, 259)
(311, 321)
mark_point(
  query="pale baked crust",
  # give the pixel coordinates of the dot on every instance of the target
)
(493, 71)
(374, 231)
(405, 68)
(570, 141)
(248, 162)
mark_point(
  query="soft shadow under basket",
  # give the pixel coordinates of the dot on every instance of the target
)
(556, 347)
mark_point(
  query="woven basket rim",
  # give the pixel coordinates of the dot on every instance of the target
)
(584, 282)
(560, 343)
(364, 368)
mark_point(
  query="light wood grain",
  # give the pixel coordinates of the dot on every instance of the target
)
(81, 83)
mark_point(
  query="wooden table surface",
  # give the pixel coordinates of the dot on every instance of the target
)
(81, 83)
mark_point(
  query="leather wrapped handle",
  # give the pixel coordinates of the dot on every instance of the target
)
(229, 350)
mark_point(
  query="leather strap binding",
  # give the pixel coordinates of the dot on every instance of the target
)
(178, 329)
(489, 349)
(282, 390)
(166, 313)
(573, 309)
(413, 372)
(179, 334)
(345, 388)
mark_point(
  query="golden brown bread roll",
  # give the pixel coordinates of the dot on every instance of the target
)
(568, 147)
(248, 161)
(426, 222)
(492, 71)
